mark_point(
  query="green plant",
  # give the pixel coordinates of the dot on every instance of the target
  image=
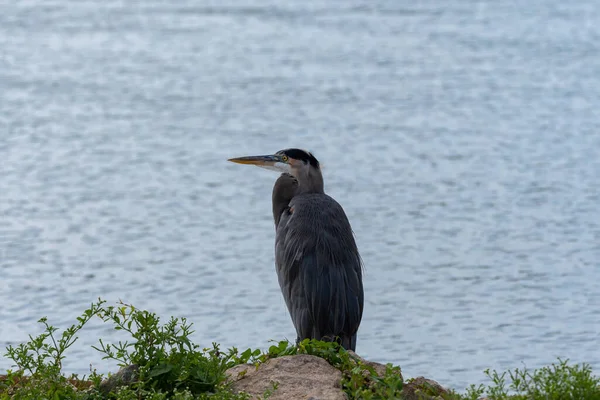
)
(559, 381)
(41, 359)
(168, 362)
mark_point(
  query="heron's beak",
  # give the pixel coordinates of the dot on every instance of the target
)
(272, 162)
(261, 161)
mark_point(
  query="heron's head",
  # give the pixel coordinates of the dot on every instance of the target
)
(299, 163)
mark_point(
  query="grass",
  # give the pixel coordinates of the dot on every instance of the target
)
(170, 366)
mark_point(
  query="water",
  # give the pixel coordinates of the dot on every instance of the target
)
(461, 139)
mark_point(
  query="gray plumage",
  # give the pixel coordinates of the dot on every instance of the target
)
(283, 191)
(317, 261)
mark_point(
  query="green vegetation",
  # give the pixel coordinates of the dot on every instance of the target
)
(167, 365)
(560, 381)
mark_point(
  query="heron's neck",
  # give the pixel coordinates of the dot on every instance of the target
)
(311, 183)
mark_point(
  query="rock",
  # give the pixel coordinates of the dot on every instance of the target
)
(423, 389)
(125, 377)
(297, 377)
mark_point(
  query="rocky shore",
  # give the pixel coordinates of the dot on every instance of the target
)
(293, 377)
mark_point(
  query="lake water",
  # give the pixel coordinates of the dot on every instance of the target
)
(461, 137)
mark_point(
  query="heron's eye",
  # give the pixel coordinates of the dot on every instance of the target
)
(284, 158)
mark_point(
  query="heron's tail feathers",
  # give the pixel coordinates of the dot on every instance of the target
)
(349, 342)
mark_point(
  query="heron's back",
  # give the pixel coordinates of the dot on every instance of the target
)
(319, 269)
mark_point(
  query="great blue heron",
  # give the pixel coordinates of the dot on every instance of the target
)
(317, 260)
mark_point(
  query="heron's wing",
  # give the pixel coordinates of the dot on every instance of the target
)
(319, 268)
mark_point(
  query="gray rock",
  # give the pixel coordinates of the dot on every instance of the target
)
(125, 377)
(297, 377)
(423, 389)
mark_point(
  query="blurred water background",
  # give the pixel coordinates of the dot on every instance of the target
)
(461, 137)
